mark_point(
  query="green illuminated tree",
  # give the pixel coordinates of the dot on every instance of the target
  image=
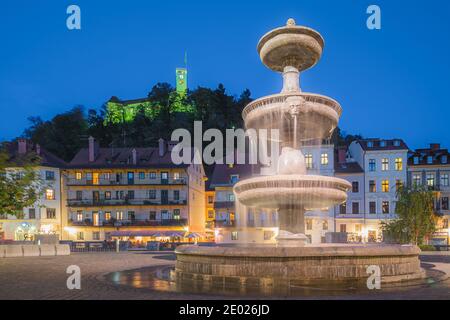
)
(21, 185)
(416, 218)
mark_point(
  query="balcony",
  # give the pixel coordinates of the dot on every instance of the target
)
(224, 205)
(130, 223)
(123, 202)
(224, 223)
(126, 182)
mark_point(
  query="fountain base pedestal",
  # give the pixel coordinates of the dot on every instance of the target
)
(289, 239)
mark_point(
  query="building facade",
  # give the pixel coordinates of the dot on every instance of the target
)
(45, 217)
(131, 193)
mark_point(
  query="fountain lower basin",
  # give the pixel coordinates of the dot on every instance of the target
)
(310, 265)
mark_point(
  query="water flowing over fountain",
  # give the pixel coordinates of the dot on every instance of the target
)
(301, 118)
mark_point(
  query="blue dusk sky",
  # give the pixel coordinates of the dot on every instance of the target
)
(391, 83)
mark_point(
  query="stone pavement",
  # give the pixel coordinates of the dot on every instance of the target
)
(45, 278)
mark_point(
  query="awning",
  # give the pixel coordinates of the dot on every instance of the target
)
(147, 233)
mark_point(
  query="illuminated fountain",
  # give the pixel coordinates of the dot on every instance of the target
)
(301, 118)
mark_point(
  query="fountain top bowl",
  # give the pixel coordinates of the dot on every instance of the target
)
(291, 45)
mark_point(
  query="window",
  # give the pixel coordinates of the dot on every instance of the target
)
(398, 184)
(398, 164)
(385, 186)
(385, 207)
(176, 214)
(343, 228)
(444, 203)
(152, 194)
(119, 215)
(176, 176)
(355, 207)
(355, 186)
(231, 197)
(308, 161)
(430, 160)
(78, 175)
(95, 235)
(79, 195)
(372, 186)
(152, 215)
(444, 180)
(32, 213)
(444, 159)
(417, 180)
(343, 208)
(95, 178)
(234, 178)
(176, 195)
(308, 224)
(210, 199)
(384, 164)
(211, 214)
(50, 194)
(370, 144)
(106, 176)
(372, 165)
(107, 215)
(141, 175)
(416, 160)
(79, 216)
(324, 225)
(324, 159)
(49, 175)
(152, 175)
(131, 194)
(396, 143)
(107, 195)
(80, 235)
(383, 144)
(358, 228)
(445, 224)
(430, 180)
(372, 207)
(131, 215)
(51, 213)
(234, 235)
(268, 235)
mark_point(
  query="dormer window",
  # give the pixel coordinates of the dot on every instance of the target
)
(396, 143)
(444, 159)
(429, 159)
(416, 160)
(234, 178)
(370, 144)
(383, 144)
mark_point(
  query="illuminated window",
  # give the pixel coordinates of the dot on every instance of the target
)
(119, 215)
(107, 176)
(358, 228)
(51, 213)
(398, 164)
(107, 195)
(324, 159)
(444, 180)
(210, 214)
(95, 178)
(385, 207)
(325, 225)
(80, 235)
(210, 199)
(107, 215)
(234, 235)
(78, 175)
(50, 194)
(309, 161)
(430, 180)
(398, 184)
(176, 176)
(79, 216)
(372, 186)
(385, 186)
(384, 164)
(176, 214)
(308, 224)
(417, 180)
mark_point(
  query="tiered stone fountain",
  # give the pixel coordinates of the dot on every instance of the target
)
(300, 118)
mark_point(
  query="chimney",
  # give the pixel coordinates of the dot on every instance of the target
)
(38, 149)
(134, 156)
(93, 149)
(342, 154)
(162, 147)
(22, 146)
(435, 146)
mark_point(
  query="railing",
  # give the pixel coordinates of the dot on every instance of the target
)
(224, 223)
(126, 182)
(122, 202)
(130, 223)
(223, 204)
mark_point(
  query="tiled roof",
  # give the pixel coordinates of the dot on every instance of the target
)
(222, 173)
(382, 144)
(347, 167)
(47, 158)
(439, 156)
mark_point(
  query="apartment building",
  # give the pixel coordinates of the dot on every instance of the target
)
(45, 216)
(385, 169)
(431, 167)
(210, 214)
(132, 193)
